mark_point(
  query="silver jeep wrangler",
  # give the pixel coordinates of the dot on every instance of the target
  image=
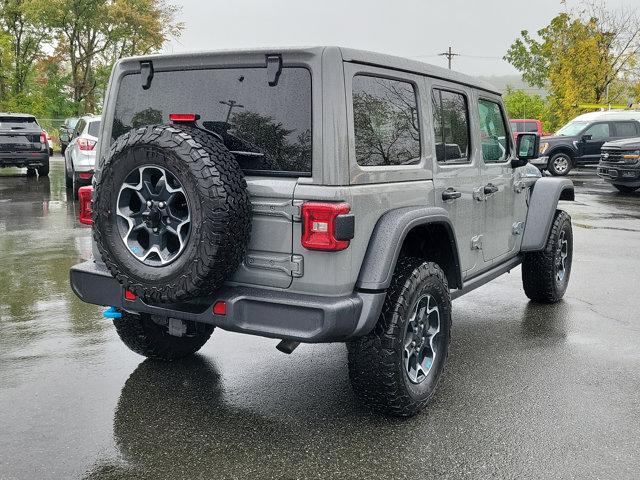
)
(313, 195)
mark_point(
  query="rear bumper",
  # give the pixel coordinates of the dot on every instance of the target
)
(620, 174)
(24, 159)
(257, 311)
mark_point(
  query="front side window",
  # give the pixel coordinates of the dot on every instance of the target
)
(571, 129)
(385, 122)
(267, 127)
(598, 131)
(450, 126)
(493, 132)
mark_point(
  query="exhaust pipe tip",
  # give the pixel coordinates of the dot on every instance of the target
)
(287, 346)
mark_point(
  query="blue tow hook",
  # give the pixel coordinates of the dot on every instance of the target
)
(112, 312)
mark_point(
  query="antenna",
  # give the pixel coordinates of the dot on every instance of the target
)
(449, 54)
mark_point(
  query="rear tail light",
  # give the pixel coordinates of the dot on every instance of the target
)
(43, 139)
(326, 226)
(183, 117)
(85, 175)
(86, 144)
(84, 197)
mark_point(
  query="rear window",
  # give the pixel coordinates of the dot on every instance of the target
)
(8, 121)
(530, 127)
(94, 128)
(267, 127)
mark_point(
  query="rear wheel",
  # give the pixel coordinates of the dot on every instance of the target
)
(625, 188)
(161, 338)
(396, 367)
(43, 171)
(560, 164)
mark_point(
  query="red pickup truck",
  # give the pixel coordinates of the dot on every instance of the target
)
(521, 125)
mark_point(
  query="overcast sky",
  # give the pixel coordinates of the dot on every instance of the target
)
(481, 31)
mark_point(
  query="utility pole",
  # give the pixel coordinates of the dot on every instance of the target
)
(232, 104)
(449, 54)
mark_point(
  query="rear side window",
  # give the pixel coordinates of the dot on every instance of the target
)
(385, 122)
(626, 129)
(94, 128)
(450, 126)
(79, 128)
(493, 132)
(530, 127)
(268, 128)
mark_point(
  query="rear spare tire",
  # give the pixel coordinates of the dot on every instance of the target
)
(172, 215)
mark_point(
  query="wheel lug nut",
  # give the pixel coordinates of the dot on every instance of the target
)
(149, 203)
(161, 205)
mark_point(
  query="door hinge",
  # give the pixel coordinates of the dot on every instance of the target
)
(292, 265)
(476, 242)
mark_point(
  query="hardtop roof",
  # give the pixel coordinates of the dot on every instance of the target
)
(348, 55)
(18, 115)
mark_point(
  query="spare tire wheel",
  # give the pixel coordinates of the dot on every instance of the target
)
(172, 215)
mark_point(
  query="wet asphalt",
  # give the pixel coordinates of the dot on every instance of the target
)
(529, 391)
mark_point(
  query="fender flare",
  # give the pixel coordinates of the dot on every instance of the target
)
(386, 242)
(543, 202)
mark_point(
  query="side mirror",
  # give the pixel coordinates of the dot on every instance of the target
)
(527, 148)
(586, 138)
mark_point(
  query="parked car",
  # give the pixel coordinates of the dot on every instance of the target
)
(80, 154)
(23, 143)
(579, 141)
(66, 129)
(520, 125)
(292, 218)
(49, 142)
(620, 164)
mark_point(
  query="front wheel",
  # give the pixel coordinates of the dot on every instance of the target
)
(545, 274)
(396, 367)
(161, 338)
(625, 188)
(560, 164)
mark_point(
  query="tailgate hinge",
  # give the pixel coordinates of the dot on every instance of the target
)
(290, 210)
(292, 265)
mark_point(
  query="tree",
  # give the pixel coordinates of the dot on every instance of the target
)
(588, 56)
(520, 104)
(95, 33)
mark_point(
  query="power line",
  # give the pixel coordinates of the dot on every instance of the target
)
(449, 54)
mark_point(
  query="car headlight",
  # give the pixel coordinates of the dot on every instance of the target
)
(631, 157)
(543, 148)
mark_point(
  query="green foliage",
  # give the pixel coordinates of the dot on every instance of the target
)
(86, 38)
(521, 104)
(584, 57)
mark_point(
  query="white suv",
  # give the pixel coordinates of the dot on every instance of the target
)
(80, 154)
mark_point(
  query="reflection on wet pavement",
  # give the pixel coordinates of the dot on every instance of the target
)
(529, 391)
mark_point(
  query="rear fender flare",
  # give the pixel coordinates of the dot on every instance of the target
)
(386, 243)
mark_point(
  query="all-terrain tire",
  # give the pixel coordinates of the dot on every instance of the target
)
(625, 188)
(560, 164)
(151, 338)
(220, 212)
(376, 361)
(541, 277)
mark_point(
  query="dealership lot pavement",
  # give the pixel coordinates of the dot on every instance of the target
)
(529, 391)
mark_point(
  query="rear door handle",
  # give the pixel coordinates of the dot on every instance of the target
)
(490, 188)
(450, 194)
